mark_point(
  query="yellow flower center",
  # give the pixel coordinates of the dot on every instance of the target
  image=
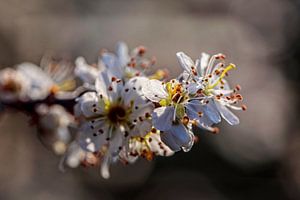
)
(176, 96)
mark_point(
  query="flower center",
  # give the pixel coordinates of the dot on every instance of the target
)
(116, 114)
(176, 94)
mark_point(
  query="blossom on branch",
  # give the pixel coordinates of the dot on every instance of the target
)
(117, 110)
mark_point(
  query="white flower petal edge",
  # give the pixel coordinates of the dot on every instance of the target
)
(203, 63)
(122, 53)
(154, 90)
(178, 137)
(105, 167)
(209, 86)
(85, 72)
(40, 82)
(231, 118)
(162, 118)
(185, 61)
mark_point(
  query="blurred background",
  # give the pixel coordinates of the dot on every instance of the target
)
(258, 159)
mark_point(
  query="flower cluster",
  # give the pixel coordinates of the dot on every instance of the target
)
(116, 109)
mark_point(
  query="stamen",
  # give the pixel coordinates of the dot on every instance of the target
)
(229, 67)
(141, 50)
(239, 97)
(238, 87)
(153, 130)
(244, 107)
(212, 60)
(215, 130)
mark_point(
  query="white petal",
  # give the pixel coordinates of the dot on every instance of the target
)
(205, 121)
(102, 83)
(144, 127)
(181, 136)
(84, 71)
(169, 140)
(140, 109)
(132, 91)
(77, 110)
(211, 112)
(122, 53)
(91, 139)
(231, 118)
(185, 61)
(112, 64)
(154, 90)
(74, 155)
(193, 88)
(162, 118)
(184, 76)
(192, 110)
(89, 104)
(105, 167)
(35, 73)
(203, 63)
(58, 71)
(115, 142)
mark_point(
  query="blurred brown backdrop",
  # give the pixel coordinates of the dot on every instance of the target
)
(256, 160)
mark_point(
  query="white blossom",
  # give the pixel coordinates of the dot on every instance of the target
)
(205, 80)
(170, 118)
(121, 112)
(113, 114)
(87, 73)
(50, 78)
